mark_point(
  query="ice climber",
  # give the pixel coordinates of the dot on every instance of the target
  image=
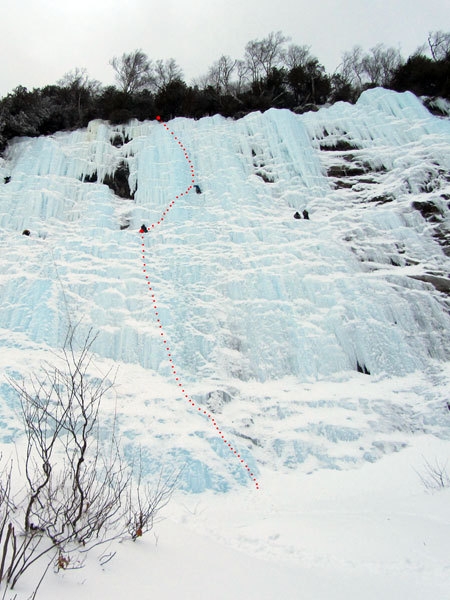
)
(143, 229)
(305, 214)
(26, 232)
(197, 189)
(297, 215)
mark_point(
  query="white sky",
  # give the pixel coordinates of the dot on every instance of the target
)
(43, 39)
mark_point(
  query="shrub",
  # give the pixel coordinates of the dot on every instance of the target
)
(78, 492)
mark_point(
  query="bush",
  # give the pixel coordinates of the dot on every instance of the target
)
(78, 491)
(435, 476)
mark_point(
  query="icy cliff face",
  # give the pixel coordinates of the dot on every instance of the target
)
(246, 292)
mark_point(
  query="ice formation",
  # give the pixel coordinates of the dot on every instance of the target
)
(246, 293)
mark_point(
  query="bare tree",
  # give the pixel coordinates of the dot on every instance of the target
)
(201, 82)
(380, 64)
(219, 74)
(82, 90)
(134, 71)
(79, 79)
(297, 56)
(375, 67)
(352, 67)
(262, 56)
(241, 70)
(165, 72)
(439, 43)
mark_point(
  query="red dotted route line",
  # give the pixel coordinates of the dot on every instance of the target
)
(163, 335)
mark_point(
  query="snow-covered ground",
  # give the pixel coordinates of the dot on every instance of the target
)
(268, 319)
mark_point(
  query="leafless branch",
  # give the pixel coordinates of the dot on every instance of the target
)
(79, 493)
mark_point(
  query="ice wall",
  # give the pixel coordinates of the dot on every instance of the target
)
(245, 291)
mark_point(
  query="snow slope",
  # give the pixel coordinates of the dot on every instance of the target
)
(268, 319)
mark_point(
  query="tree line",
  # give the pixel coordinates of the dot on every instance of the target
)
(272, 73)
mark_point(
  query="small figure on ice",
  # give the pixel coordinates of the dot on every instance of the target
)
(197, 189)
(297, 215)
(143, 229)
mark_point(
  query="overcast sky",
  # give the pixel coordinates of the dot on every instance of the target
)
(41, 40)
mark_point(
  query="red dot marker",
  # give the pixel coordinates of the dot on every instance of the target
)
(161, 219)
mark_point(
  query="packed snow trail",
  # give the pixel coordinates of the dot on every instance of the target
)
(158, 320)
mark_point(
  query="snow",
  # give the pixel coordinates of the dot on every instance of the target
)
(267, 318)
